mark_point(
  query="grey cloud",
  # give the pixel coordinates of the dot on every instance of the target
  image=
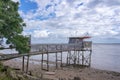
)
(77, 15)
(112, 2)
(74, 4)
(94, 3)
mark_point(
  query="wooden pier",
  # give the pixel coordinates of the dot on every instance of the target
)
(77, 54)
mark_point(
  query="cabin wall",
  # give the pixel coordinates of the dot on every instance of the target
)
(72, 40)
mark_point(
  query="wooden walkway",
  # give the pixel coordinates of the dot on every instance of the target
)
(75, 53)
(38, 49)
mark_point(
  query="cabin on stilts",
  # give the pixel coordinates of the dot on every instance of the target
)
(81, 55)
(78, 51)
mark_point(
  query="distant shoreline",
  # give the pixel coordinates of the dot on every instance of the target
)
(107, 43)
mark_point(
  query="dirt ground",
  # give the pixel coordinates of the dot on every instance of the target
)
(66, 73)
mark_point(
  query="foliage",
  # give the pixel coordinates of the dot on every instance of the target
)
(3, 75)
(11, 26)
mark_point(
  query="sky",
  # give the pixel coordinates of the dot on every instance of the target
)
(53, 21)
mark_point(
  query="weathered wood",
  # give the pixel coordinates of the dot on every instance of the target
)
(90, 58)
(12, 56)
(47, 59)
(82, 57)
(61, 59)
(27, 66)
(61, 56)
(74, 56)
(23, 63)
(56, 61)
(78, 57)
(42, 62)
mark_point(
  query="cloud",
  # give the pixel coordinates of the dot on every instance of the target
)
(40, 34)
(109, 3)
(100, 18)
(16, 1)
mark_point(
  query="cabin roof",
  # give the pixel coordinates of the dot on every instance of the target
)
(84, 37)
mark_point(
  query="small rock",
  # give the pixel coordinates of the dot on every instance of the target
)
(20, 77)
(77, 78)
(13, 75)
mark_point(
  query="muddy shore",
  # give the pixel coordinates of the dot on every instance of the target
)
(65, 73)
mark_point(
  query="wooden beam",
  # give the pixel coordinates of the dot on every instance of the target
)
(27, 66)
(23, 63)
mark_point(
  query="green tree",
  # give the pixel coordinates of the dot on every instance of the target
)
(11, 26)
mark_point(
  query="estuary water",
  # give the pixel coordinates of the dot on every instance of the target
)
(104, 56)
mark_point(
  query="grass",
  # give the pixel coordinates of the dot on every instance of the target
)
(4, 73)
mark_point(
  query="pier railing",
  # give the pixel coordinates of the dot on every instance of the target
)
(37, 49)
(87, 45)
(75, 54)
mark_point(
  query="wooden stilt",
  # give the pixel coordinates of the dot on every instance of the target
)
(56, 61)
(68, 57)
(82, 58)
(82, 53)
(47, 62)
(56, 58)
(61, 56)
(90, 58)
(61, 59)
(42, 62)
(74, 56)
(23, 63)
(47, 59)
(78, 58)
(27, 66)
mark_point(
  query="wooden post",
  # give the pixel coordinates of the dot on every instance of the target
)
(61, 55)
(42, 61)
(47, 59)
(82, 57)
(47, 62)
(27, 66)
(78, 58)
(56, 59)
(70, 57)
(67, 57)
(90, 58)
(82, 53)
(74, 56)
(23, 63)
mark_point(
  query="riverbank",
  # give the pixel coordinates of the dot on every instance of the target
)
(66, 73)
